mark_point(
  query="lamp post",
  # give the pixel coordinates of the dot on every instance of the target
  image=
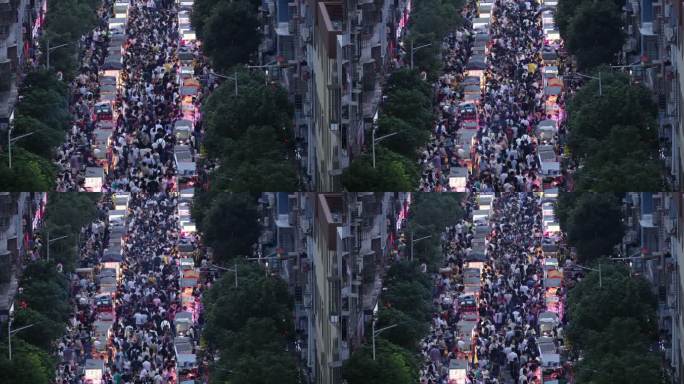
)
(375, 333)
(417, 240)
(594, 78)
(11, 332)
(595, 270)
(11, 140)
(379, 139)
(234, 270)
(49, 241)
(50, 49)
(413, 50)
(234, 78)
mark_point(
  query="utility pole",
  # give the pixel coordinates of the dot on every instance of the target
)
(415, 241)
(375, 333)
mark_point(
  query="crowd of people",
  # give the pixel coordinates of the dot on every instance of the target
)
(140, 348)
(140, 152)
(503, 348)
(75, 154)
(504, 153)
(143, 139)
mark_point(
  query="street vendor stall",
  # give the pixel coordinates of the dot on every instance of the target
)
(94, 371)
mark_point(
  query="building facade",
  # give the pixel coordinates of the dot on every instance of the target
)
(333, 249)
(20, 214)
(333, 57)
(653, 56)
(655, 242)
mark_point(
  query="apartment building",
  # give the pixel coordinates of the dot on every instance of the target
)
(332, 57)
(654, 241)
(20, 214)
(653, 56)
(20, 21)
(332, 249)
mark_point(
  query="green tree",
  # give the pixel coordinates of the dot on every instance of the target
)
(43, 333)
(411, 106)
(257, 296)
(265, 367)
(29, 364)
(405, 270)
(258, 161)
(231, 34)
(408, 138)
(230, 225)
(408, 331)
(595, 34)
(44, 139)
(593, 305)
(621, 367)
(393, 364)
(411, 298)
(393, 172)
(66, 214)
(50, 298)
(622, 105)
(29, 172)
(594, 225)
(227, 117)
(407, 79)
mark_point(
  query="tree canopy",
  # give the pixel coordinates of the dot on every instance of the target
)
(393, 364)
(229, 30)
(614, 326)
(594, 34)
(66, 213)
(251, 136)
(593, 223)
(228, 222)
(29, 172)
(392, 172)
(250, 326)
(613, 136)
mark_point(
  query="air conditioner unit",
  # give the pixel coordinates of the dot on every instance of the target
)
(334, 319)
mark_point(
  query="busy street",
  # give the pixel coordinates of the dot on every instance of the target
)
(137, 295)
(499, 296)
(500, 102)
(135, 102)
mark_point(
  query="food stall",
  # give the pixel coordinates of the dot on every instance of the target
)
(182, 322)
(102, 331)
(182, 129)
(458, 371)
(476, 67)
(458, 178)
(186, 361)
(94, 179)
(93, 371)
(546, 129)
(547, 323)
(471, 281)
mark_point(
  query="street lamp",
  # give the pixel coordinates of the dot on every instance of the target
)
(52, 241)
(11, 140)
(234, 78)
(413, 50)
(595, 78)
(50, 49)
(379, 139)
(11, 332)
(375, 333)
(235, 270)
(595, 270)
(413, 241)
